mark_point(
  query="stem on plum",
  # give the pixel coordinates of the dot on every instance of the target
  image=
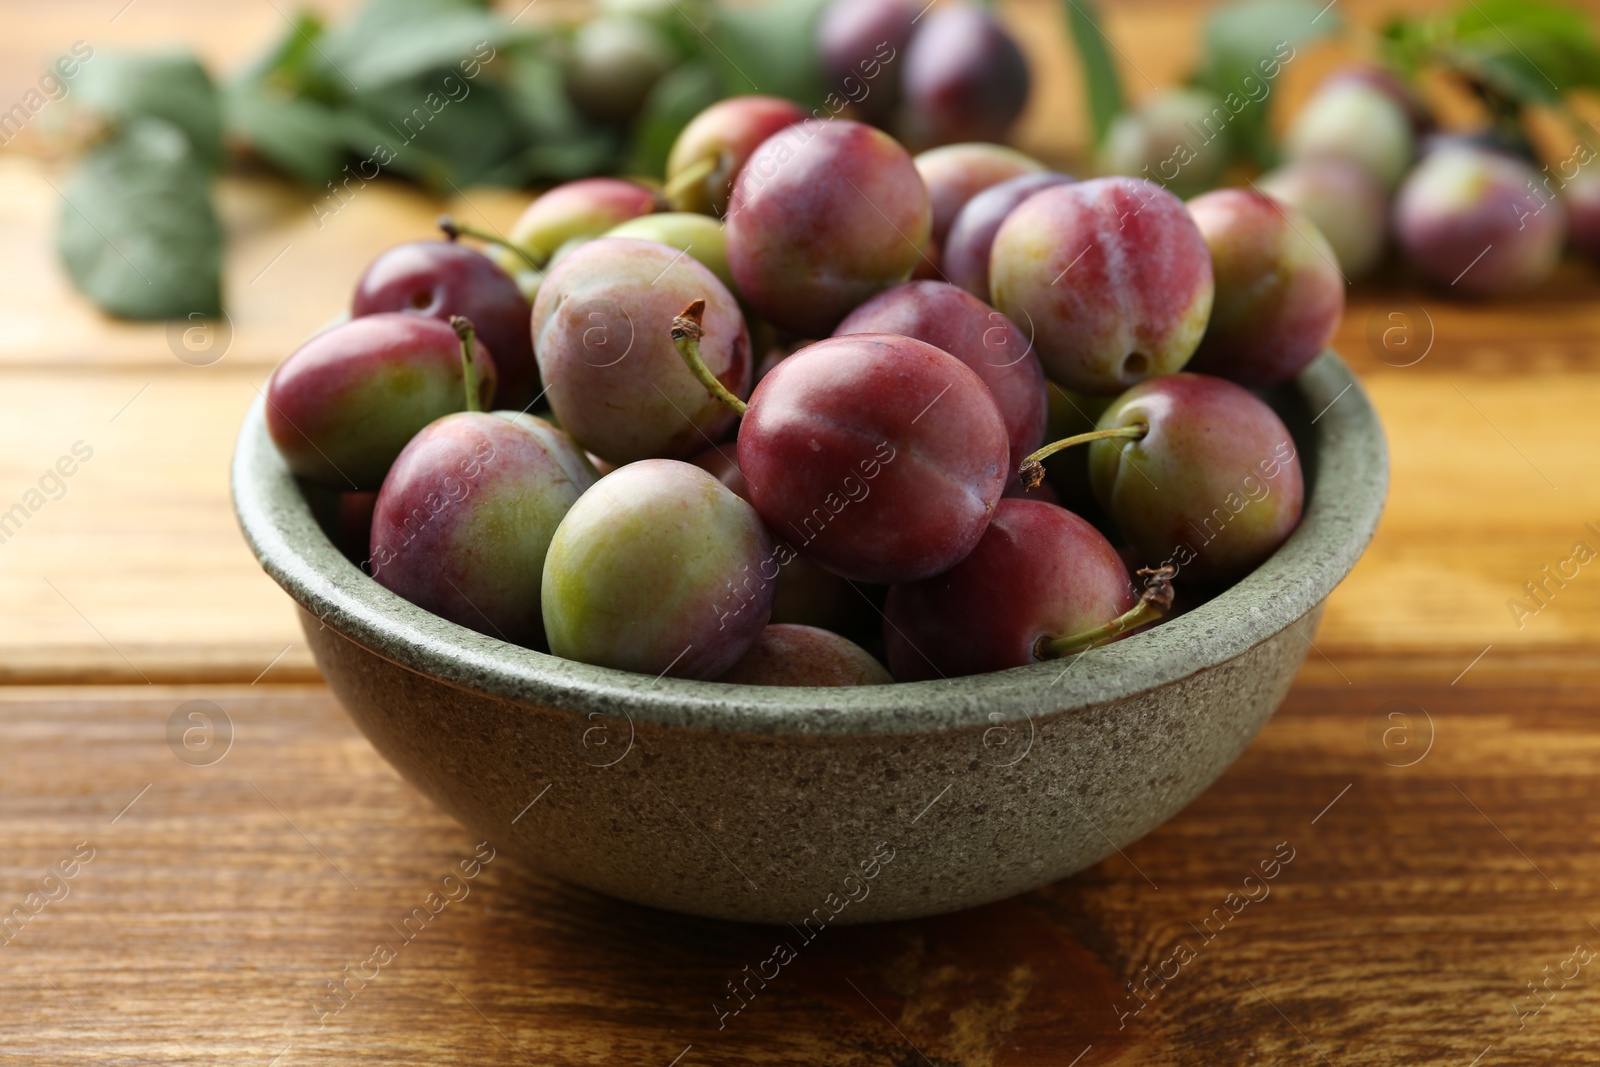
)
(697, 172)
(686, 334)
(1032, 469)
(469, 368)
(455, 230)
(1154, 602)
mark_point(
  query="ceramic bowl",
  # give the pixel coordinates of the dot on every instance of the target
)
(816, 806)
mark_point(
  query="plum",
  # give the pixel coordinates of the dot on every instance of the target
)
(575, 211)
(713, 148)
(1279, 293)
(466, 515)
(1582, 198)
(1178, 139)
(1473, 221)
(965, 79)
(878, 456)
(1358, 122)
(1040, 577)
(1208, 482)
(602, 334)
(345, 403)
(1391, 85)
(957, 322)
(805, 655)
(824, 215)
(697, 235)
(616, 61)
(964, 256)
(658, 569)
(442, 279)
(862, 44)
(1343, 201)
(1111, 277)
(807, 594)
(956, 173)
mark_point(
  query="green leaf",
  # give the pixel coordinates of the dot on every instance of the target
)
(441, 136)
(769, 47)
(560, 144)
(300, 136)
(1517, 53)
(678, 97)
(171, 86)
(138, 234)
(390, 41)
(1247, 44)
(1101, 86)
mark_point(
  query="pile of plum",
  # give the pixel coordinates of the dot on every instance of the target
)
(809, 413)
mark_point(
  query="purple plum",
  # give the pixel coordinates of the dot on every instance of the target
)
(466, 515)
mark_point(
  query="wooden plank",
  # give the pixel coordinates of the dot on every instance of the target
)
(1418, 903)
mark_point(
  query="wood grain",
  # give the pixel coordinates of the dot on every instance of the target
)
(1424, 894)
(1415, 905)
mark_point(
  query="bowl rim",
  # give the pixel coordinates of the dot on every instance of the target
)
(1347, 481)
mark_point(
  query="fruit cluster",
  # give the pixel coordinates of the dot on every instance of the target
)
(1472, 214)
(764, 437)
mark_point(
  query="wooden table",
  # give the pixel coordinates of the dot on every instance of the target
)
(1439, 905)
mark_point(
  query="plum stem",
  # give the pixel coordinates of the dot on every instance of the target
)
(686, 334)
(455, 230)
(1032, 469)
(687, 179)
(1154, 602)
(469, 367)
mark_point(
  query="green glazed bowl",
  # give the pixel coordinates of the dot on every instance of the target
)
(815, 806)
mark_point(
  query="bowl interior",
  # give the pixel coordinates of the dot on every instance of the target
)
(1341, 447)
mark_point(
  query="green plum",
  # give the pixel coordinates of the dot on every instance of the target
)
(1207, 480)
(699, 236)
(659, 569)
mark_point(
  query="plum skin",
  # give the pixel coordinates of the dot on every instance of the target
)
(851, 38)
(343, 405)
(602, 334)
(696, 235)
(964, 256)
(577, 210)
(807, 594)
(1581, 196)
(1214, 486)
(440, 279)
(1039, 571)
(824, 215)
(1170, 131)
(877, 456)
(965, 79)
(658, 569)
(616, 61)
(1468, 220)
(464, 519)
(1355, 121)
(805, 655)
(1112, 277)
(956, 322)
(955, 173)
(1279, 293)
(1343, 201)
(727, 131)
